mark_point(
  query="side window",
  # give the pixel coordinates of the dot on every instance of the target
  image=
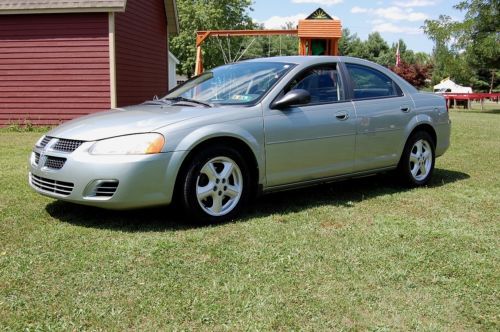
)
(370, 83)
(323, 83)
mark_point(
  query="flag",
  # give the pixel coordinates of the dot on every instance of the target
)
(398, 56)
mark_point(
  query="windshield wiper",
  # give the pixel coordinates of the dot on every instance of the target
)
(194, 101)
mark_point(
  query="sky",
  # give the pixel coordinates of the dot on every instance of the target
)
(393, 19)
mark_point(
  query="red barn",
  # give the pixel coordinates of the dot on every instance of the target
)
(60, 59)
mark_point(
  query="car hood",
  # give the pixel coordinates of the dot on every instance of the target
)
(129, 120)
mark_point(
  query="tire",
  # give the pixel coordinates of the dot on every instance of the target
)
(216, 185)
(417, 162)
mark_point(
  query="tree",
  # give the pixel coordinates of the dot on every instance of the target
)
(350, 44)
(195, 15)
(422, 58)
(480, 37)
(468, 51)
(388, 57)
(480, 32)
(448, 58)
(416, 74)
(375, 47)
(440, 31)
(415, 67)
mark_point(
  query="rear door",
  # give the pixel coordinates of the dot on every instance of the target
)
(311, 141)
(383, 112)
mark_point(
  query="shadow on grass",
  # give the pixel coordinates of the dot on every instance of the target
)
(475, 110)
(343, 193)
(489, 111)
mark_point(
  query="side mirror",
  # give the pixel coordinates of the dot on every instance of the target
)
(293, 97)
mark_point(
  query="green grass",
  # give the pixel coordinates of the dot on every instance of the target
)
(357, 255)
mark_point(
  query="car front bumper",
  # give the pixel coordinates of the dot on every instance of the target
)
(113, 182)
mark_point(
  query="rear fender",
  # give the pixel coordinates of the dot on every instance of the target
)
(416, 121)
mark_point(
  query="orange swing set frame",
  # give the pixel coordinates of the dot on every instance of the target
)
(318, 27)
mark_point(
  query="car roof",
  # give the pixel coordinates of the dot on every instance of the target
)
(308, 59)
(295, 59)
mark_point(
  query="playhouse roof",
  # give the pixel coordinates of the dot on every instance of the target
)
(320, 25)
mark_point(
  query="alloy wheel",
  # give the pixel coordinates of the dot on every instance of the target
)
(420, 160)
(219, 186)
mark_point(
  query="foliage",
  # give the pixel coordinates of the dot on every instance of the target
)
(448, 60)
(350, 44)
(468, 51)
(376, 49)
(360, 255)
(195, 15)
(233, 14)
(415, 67)
(416, 74)
(480, 32)
(371, 49)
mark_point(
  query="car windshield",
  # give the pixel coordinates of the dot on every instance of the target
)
(239, 83)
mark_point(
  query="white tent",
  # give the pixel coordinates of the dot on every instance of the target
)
(448, 85)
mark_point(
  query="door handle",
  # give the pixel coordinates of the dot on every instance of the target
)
(405, 109)
(342, 116)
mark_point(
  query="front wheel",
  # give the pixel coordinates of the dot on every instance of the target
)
(417, 162)
(216, 185)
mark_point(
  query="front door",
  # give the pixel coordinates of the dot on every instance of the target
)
(311, 141)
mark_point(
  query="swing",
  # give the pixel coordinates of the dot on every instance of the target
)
(228, 58)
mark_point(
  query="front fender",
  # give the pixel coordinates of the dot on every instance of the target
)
(205, 133)
(194, 138)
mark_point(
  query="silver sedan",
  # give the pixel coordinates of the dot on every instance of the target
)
(242, 129)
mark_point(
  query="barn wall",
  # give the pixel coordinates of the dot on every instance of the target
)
(141, 51)
(53, 67)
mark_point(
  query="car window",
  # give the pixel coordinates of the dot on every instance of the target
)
(237, 83)
(370, 83)
(323, 83)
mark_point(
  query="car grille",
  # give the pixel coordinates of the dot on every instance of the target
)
(37, 158)
(62, 144)
(55, 162)
(53, 186)
(106, 189)
(66, 145)
(45, 141)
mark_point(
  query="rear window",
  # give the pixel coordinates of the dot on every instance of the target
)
(371, 83)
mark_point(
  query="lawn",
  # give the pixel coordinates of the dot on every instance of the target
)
(364, 254)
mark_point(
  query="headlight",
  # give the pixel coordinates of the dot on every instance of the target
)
(131, 144)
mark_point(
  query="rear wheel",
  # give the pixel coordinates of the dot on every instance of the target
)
(217, 184)
(417, 162)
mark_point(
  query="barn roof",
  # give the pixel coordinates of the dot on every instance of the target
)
(13, 6)
(80, 6)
